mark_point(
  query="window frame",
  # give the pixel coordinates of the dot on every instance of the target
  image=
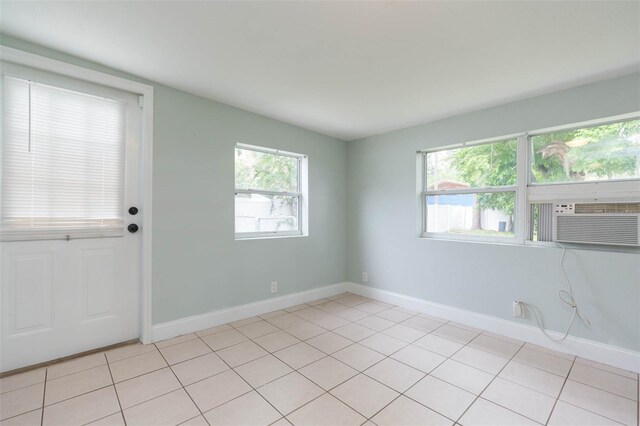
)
(528, 192)
(424, 193)
(300, 194)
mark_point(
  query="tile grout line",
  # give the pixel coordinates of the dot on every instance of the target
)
(307, 378)
(83, 371)
(75, 372)
(140, 403)
(193, 418)
(248, 384)
(384, 358)
(559, 393)
(63, 400)
(293, 370)
(593, 412)
(429, 374)
(358, 372)
(522, 346)
(104, 417)
(113, 383)
(601, 369)
(489, 384)
(21, 387)
(324, 391)
(513, 360)
(180, 382)
(434, 368)
(604, 390)
(44, 394)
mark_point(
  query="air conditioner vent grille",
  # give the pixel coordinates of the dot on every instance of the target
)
(616, 230)
(606, 208)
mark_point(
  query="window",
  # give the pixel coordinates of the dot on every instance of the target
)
(607, 152)
(269, 196)
(62, 162)
(471, 191)
(504, 190)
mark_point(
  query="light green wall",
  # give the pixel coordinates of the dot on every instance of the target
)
(197, 265)
(486, 278)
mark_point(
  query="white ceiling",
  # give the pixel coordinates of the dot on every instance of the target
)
(346, 69)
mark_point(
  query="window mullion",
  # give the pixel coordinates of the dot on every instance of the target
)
(522, 165)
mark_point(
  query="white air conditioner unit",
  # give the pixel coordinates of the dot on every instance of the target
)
(615, 224)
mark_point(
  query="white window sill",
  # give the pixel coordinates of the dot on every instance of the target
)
(267, 236)
(537, 244)
(509, 241)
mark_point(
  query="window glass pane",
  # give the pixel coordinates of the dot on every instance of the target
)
(472, 214)
(604, 152)
(270, 172)
(266, 213)
(486, 165)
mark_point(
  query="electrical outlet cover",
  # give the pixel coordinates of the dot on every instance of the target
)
(518, 309)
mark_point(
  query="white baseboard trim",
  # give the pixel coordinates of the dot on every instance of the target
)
(187, 325)
(606, 354)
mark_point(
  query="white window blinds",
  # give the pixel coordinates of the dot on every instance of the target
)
(63, 157)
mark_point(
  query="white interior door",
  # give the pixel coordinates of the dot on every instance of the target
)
(70, 269)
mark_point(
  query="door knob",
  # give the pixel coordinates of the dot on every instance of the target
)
(133, 228)
(133, 211)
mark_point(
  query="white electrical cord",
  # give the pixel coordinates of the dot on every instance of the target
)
(566, 297)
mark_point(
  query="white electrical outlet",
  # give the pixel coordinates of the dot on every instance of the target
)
(518, 309)
(365, 277)
(274, 286)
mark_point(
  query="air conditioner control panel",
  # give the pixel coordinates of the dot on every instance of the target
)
(565, 208)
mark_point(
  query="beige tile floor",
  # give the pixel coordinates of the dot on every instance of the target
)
(346, 360)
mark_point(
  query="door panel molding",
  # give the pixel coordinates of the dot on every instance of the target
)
(28, 286)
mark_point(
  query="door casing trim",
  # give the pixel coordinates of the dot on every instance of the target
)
(20, 57)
